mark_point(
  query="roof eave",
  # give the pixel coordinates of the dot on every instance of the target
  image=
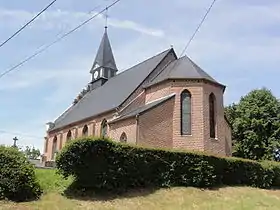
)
(202, 79)
(121, 119)
(143, 111)
(56, 129)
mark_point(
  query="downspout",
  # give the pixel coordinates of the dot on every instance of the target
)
(137, 129)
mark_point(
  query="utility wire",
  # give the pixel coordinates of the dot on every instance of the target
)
(34, 18)
(198, 27)
(175, 63)
(57, 40)
(62, 31)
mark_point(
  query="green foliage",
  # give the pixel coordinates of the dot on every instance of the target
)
(256, 125)
(102, 164)
(51, 181)
(17, 176)
(275, 167)
(32, 153)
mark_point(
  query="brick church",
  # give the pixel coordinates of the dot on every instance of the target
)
(164, 101)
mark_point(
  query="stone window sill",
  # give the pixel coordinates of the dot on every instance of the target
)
(186, 135)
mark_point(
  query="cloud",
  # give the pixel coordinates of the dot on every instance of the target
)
(127, 24)
(240, 34)
(64, 20)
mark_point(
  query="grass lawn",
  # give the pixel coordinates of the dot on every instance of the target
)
(228, 198)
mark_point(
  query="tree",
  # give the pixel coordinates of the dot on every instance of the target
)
(32, 153)
(256, 125)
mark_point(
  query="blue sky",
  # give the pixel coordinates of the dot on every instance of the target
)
(239, 45)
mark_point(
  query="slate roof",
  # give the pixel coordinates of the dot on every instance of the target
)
(104, 56)
(143, 108)
(110, 95)
(182, 68)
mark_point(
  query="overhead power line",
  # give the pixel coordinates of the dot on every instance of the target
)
(190, 40)
(57, 40)
(198, 27)
(29, 22)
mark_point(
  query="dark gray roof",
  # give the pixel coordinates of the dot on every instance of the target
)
(104, 56)
(143, 108)
(111, 94)
(182, 68)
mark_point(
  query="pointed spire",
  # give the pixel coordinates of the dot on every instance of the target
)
(104, 57)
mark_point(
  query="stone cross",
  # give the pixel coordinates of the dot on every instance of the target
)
(15, 141)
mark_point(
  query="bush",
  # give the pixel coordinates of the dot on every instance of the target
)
(102, 164)
(17, 176)
(275, 167)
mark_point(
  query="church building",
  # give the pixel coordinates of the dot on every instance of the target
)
(162, 102)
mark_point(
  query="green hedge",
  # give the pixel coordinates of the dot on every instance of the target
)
(102, 164)
(17, 176)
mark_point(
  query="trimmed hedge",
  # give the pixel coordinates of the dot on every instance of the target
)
(17, 176)
(102, 164)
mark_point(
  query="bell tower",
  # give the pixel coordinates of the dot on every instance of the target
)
(104, 66)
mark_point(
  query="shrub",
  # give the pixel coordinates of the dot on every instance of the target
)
(275, 168)
(102, 164)
(17, 176)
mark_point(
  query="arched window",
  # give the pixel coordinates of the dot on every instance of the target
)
(123, 138)
(186, 104)
(104, 128)
(69, 136)
(212, 115)
(85, 130)
(54, 147)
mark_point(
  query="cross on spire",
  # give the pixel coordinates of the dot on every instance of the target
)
(106, 18)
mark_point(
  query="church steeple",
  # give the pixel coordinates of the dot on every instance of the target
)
(104, 65)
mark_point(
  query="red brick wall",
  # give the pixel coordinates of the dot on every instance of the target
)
(155, 126)
(128, 126)
(214, 145)
(49, 145)
(195, 140)
(94, 126)
(228, 139)
(158, 91)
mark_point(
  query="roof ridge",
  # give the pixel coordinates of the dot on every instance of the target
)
(144, 61)
(162, 70)
(173, 62)
(136, 65)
